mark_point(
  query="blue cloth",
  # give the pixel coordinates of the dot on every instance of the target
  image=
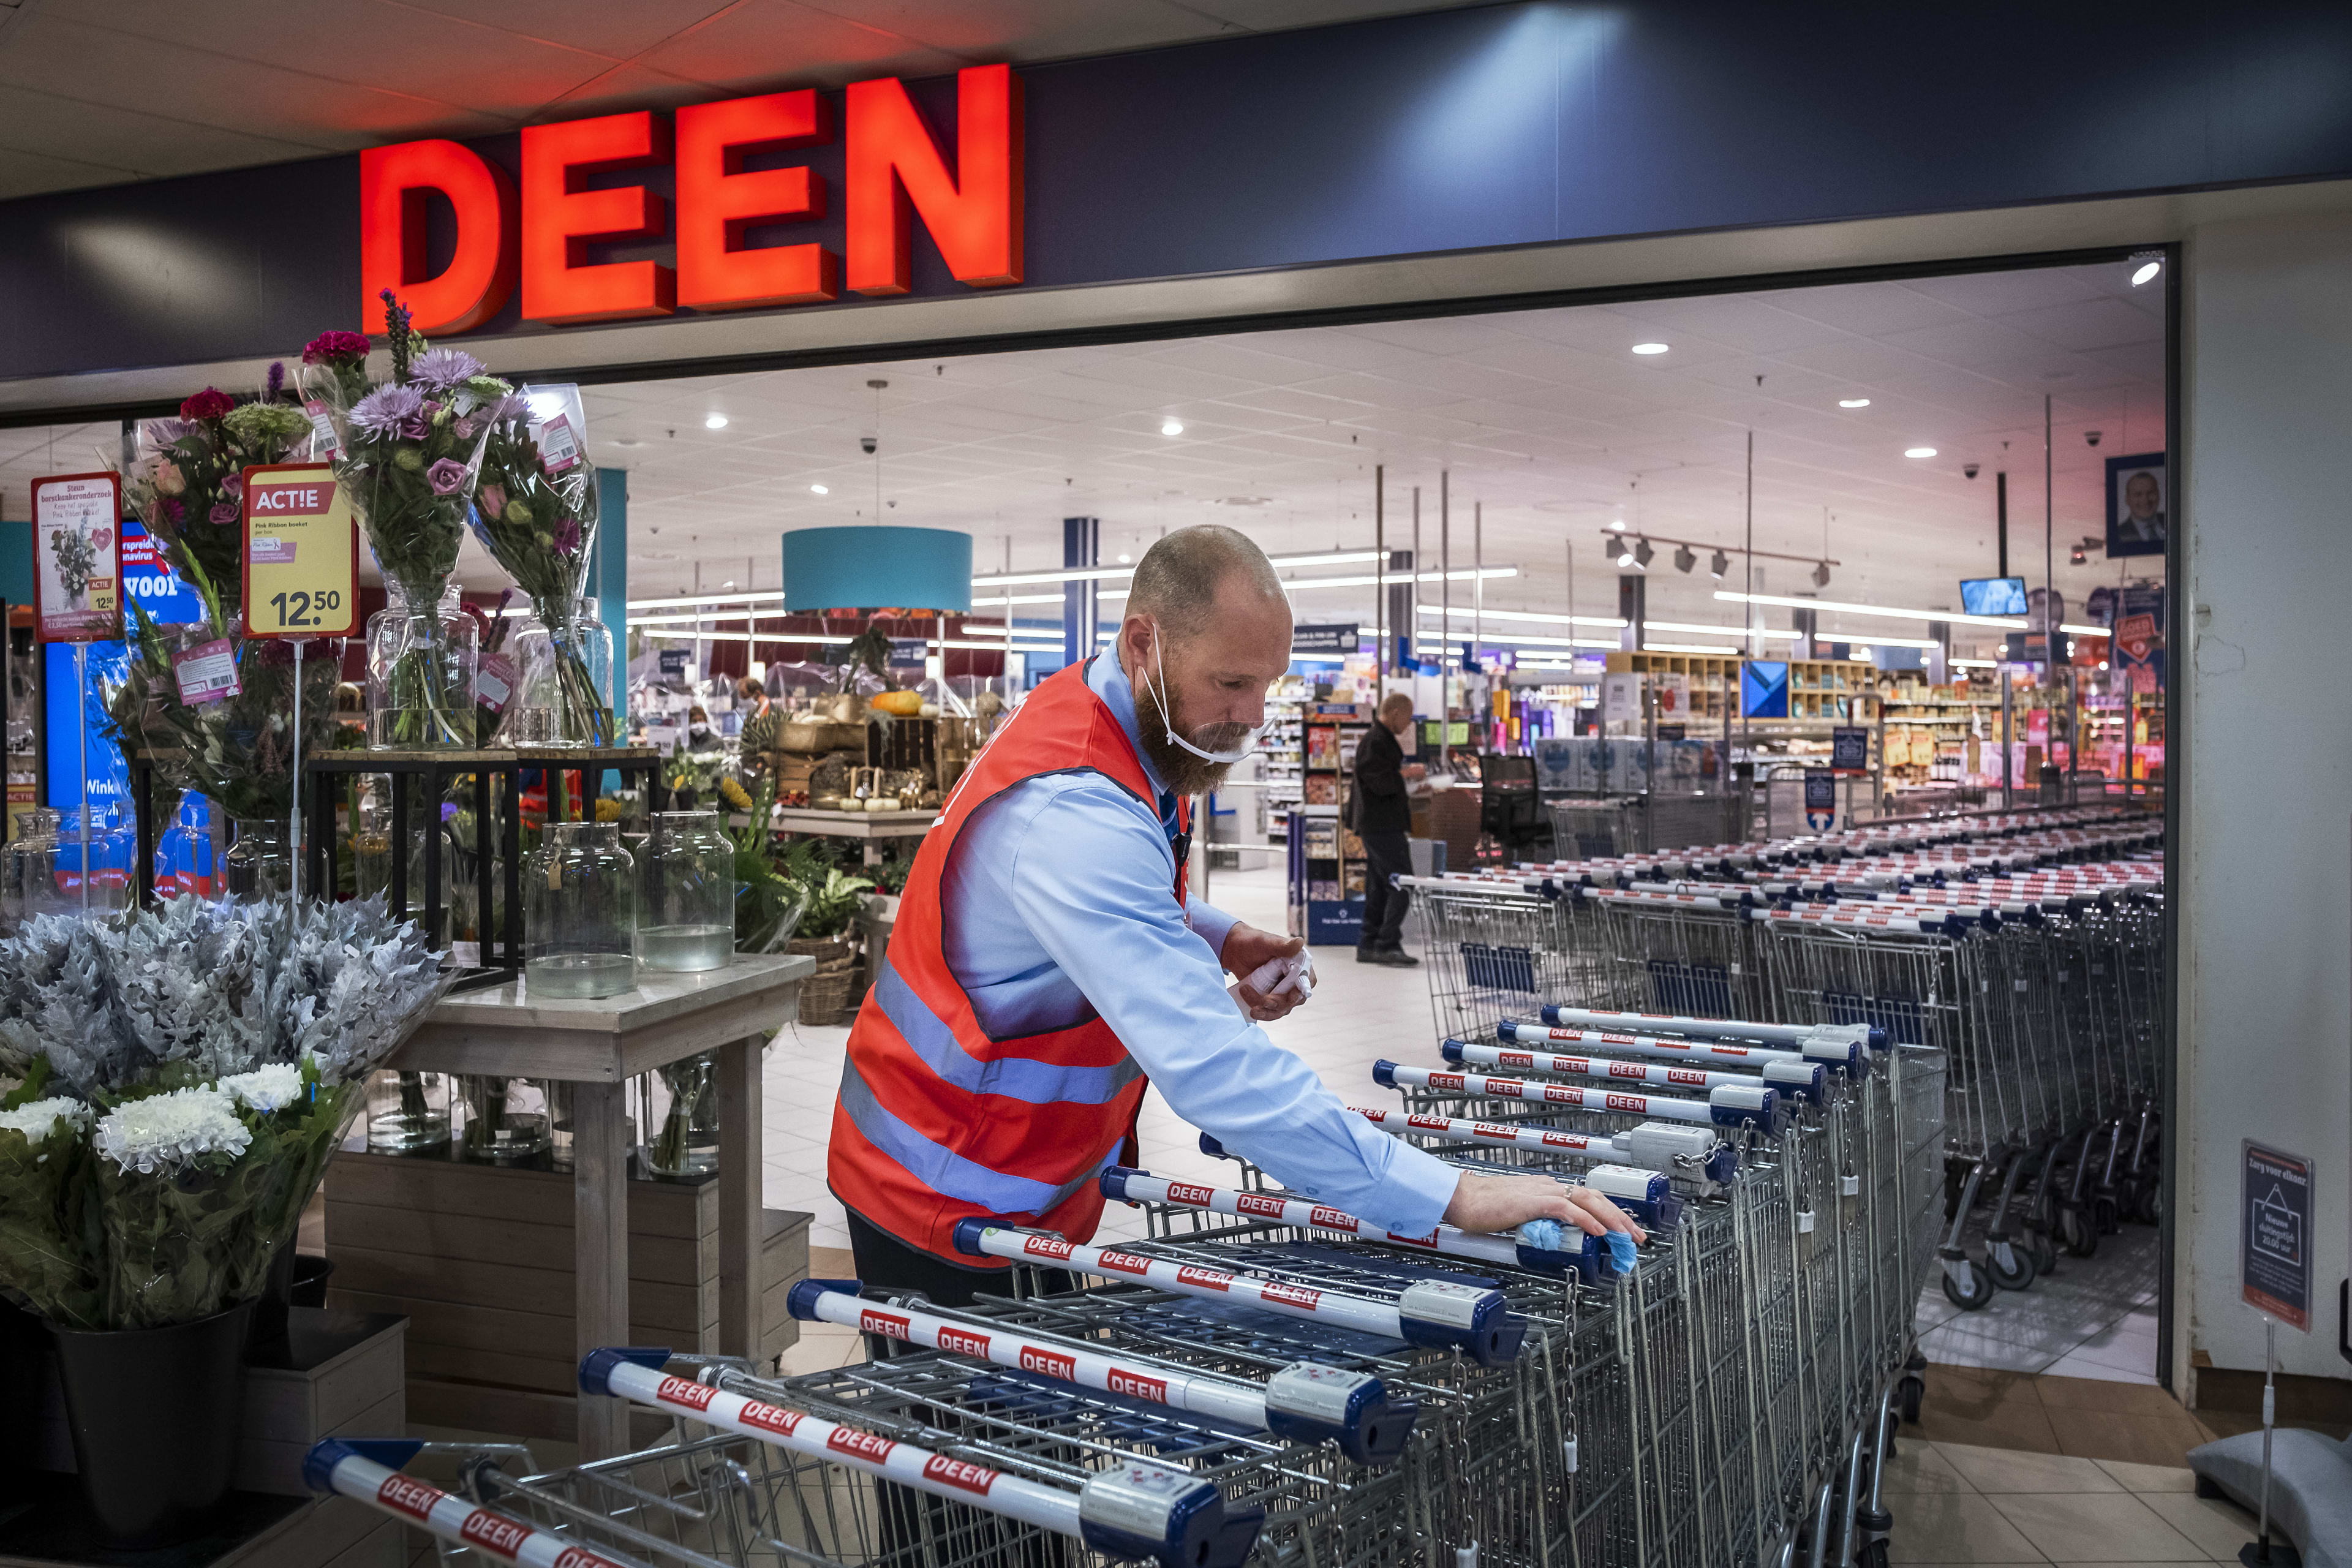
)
(1055, 906)
(1622, 1255)
(1543, 1235)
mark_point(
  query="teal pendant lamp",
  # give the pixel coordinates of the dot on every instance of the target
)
(919, 571)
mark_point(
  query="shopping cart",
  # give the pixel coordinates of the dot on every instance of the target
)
(1493, 949)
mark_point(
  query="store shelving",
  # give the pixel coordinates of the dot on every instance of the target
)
(1326, 859)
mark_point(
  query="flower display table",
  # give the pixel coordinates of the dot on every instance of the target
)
(597, 1046)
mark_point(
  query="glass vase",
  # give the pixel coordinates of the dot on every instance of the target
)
(29, 869)
(259, 864)
(564, 660)
(580, 913)
(685, 913)
(688, 1143)
(505, 1119)
(184, 859)
(407, 1111)
(421, 664)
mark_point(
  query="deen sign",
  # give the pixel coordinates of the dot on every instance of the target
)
(535, 233)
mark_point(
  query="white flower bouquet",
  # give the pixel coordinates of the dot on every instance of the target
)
(187, 1073)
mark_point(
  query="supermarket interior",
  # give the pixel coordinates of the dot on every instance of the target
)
(587, 973)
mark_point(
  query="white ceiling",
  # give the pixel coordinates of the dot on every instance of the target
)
(96, 92)
(1543, 419)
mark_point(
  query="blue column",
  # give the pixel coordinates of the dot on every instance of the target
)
(608, 583)
(1081, 539)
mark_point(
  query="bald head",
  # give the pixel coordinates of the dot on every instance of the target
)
(1181, 578)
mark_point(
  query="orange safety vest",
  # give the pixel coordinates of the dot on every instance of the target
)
(937, 1122)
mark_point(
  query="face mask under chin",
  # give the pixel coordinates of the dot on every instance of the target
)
(1187, 769)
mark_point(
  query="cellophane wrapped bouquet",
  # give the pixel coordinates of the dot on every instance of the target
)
(407, 447)
(186, 485)
(185, 1075)
(535, 511)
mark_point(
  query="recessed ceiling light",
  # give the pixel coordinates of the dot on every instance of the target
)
(1171, 427)
(2141, 274)
(1918, 451)
(1123, 560)
(1854, 403)
(625, 441)
(1619, 524)
(715, 422)
(1243, 501)
(819, 490)
(1649, 348)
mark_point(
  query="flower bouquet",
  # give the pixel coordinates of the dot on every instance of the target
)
(535, 511)
(187, 1075)
(70, 548)
(186, 485)
(406, 448)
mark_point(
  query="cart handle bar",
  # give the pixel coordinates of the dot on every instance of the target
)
(1137, 1510)
(1693, 1154)
(1799, 1080)
(1840, 1052)
(1302, 1403)
(1426, 1312)
(1587, 1256)
(1786, 1034)
(368, 1470)
(1744, 1105)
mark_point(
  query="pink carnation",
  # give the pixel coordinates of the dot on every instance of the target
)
(209, 404)
(334, 346)
(492, 498)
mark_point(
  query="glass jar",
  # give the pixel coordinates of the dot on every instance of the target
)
(688, 1143)
(686, 912)
(96, 837)
(259, 864)
(564, 661)
(185, 862)
(407, 1111)
(421, 664)
(372, 841)
(505, 1119)
(580, 913)
(29, 869)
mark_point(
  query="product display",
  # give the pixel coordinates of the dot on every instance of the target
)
(580, 892)
(686, 912)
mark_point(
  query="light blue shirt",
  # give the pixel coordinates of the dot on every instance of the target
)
(1055, 903)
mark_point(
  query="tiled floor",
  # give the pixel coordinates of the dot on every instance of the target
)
(2094, 1318)
(1963, 1503)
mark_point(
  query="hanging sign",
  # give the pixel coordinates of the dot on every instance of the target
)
(2274, 1235)
(1326, 637)
(1849, 749)
(301, 553)
(78, 557)
(1820, 799)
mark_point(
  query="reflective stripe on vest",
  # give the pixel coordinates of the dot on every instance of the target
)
(937, 1121)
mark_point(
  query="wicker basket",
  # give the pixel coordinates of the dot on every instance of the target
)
(832, 993)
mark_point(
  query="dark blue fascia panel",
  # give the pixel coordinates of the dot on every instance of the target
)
(1506, 125)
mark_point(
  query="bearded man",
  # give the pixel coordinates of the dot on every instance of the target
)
(1047, 960)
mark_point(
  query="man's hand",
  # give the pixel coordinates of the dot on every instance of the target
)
(1506, 1203)
(1247, 949)
(1414, 772)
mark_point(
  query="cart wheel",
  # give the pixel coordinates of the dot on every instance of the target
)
(2076, 1233)
(2011, 1265)
(2107, 1214)
(2147, 1204)
(1912, 1391)
(1971, 1291)
(2045, 1251)
(1873, 1555)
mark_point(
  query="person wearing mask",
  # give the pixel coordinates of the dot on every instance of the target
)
(1048, 959)
(1383, 818)
(751, 696)
(699, 735)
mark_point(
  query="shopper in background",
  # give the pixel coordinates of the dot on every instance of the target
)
(1383, 821)
(699, 735)
(751, 698)
(1047, 958)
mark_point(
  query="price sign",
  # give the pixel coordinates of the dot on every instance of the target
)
(301, 553)
(78, 557)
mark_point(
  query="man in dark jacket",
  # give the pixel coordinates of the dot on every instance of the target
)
(1383, 818)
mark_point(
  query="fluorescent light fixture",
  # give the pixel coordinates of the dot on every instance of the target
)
(1918, 451)
(1872, 640)
(1171, 427)
(1649, 348)
(1548, 619)
(820, 490)
(2146, 271)
(1710, 631)
(1459, 628)
(2008, 623)
(1975, 664)
(1465, 574)
(765, 596)
(1298, 658)
(1854, 403)
(1097, 573)
(1688, 648)
(715, 422)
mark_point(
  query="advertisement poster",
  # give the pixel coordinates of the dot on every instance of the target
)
(78, 557)
(2138, 646)
(2138, 500)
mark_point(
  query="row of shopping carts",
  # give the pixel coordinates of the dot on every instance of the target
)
(2027, 947)
(1267, 1379)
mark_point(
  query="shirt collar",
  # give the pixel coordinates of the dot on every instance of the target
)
(1109, 682)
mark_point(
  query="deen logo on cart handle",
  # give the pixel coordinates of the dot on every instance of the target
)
(533, 233)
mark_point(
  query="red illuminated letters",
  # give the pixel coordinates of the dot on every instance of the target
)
(717, 200)
(474, 286)
(974, 214)
(558, 285)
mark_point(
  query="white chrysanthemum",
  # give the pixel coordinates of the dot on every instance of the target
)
(42, 1117)
(165, 1131)
(266, 1089)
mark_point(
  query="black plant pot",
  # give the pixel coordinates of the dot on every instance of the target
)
(154, 1413)
(296, 1280)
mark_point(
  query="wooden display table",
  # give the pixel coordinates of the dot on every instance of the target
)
(597, 1046)
(869, 826)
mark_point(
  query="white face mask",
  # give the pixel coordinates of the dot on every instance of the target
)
(1167, 718)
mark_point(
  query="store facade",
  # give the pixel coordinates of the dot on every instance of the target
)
(1471, 160)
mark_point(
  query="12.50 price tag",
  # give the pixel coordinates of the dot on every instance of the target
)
(301, 553)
